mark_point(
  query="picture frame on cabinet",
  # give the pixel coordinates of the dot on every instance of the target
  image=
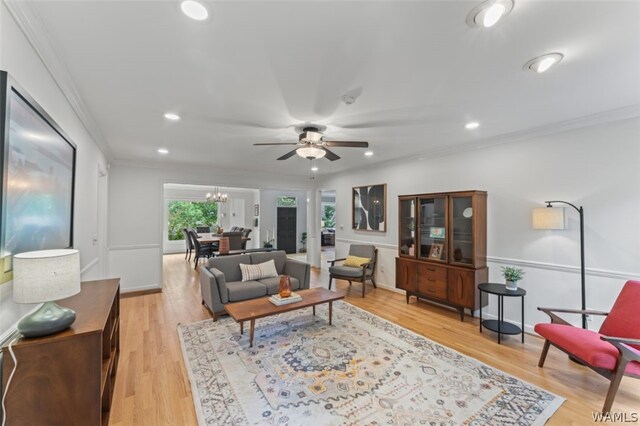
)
(436, 251)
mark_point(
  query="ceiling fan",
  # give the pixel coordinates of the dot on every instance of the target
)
(312, 145)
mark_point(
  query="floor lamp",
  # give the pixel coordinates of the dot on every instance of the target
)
(553, 218)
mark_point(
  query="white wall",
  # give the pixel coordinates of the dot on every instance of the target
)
(596, 167)
(19, 59)
(269, 213)
(136, 218)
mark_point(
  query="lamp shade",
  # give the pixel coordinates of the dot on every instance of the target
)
(549, 218)
(311, 152)
(45, 275)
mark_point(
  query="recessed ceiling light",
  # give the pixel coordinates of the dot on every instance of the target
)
(368, 153)
(489, 12)
(544, 62)
(172, 116)
(194, 10)
(472, 125)
(163, 151)
(314, 168)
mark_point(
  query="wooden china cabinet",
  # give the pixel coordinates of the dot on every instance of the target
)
(442, 248)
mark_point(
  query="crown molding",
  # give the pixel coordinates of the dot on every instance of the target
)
(604, 117)
(34, 30)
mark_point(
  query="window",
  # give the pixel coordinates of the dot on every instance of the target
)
(329, 215)
(189, 214)
(286, 201)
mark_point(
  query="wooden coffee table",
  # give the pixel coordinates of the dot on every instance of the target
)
(250, 310)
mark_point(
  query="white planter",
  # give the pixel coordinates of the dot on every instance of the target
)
(512, 285)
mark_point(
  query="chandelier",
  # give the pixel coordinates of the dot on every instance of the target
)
(217, 196)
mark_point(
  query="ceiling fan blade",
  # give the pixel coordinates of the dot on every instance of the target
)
(288, 155)
(347, 144)
(331, 156)
(276, 143)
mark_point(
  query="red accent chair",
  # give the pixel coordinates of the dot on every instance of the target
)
(613, 352)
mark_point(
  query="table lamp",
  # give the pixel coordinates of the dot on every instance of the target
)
(46, 276)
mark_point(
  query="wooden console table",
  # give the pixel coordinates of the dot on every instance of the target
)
(68, 378)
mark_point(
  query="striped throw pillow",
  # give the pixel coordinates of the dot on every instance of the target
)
(259, 271)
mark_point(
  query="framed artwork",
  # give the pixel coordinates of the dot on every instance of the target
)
(436, 232)
(436, 251)
(369, 206)
(38, 163)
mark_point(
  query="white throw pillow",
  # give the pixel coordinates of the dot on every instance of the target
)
(259, 271)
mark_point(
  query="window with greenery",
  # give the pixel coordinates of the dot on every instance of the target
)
(286, 201)
(329, 215)
(190, 214)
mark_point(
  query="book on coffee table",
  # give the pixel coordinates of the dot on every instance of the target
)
(279, 301)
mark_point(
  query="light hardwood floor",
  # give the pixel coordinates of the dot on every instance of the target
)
(152, 387)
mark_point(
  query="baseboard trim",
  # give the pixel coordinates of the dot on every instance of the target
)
(137, 293)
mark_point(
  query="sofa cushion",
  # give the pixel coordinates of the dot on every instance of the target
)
(230, 266)
(256, 272)
(345, 271)
(273, 284)
(280, 257)
(239, 290)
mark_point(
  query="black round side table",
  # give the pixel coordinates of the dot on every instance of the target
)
(500, 326)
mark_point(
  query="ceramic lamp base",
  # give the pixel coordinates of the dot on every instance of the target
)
(50, 318)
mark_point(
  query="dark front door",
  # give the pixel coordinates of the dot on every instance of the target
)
(287, 229)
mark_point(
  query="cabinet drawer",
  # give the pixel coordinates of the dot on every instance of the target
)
(437, 273)
(432, 287)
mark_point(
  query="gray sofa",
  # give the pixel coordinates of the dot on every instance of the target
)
(221, 279)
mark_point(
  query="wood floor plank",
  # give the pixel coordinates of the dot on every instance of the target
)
(152, 386)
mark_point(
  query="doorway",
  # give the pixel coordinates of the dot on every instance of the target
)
(287, 225)
(327, 216)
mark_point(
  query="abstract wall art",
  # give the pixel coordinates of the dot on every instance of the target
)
(370, 208)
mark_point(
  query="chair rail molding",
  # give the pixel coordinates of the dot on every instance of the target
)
(34, 30)
(565, 268)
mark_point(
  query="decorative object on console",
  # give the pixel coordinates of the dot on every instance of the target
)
(512, 276)
(284, 286)
(37, 214)
(46, 276)
(369, 206)
(442, 248)
(554, 218)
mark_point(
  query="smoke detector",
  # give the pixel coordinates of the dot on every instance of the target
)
(348, 99)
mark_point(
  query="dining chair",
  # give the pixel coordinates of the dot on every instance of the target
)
(202, 250)
(203, 229)
(188, 243)
(235, 240)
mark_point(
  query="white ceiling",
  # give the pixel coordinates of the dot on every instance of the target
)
(255, 69)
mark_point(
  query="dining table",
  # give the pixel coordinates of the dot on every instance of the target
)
(208, 238)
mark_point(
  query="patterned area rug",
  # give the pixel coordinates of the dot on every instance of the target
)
(360, 370)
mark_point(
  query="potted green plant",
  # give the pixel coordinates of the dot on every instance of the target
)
(303, 241)
(512, 276)
(267, 243)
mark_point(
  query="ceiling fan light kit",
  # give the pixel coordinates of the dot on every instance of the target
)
(311, 152)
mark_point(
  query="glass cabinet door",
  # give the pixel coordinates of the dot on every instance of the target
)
(408, 224)
(433, 232)
(462, 230)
